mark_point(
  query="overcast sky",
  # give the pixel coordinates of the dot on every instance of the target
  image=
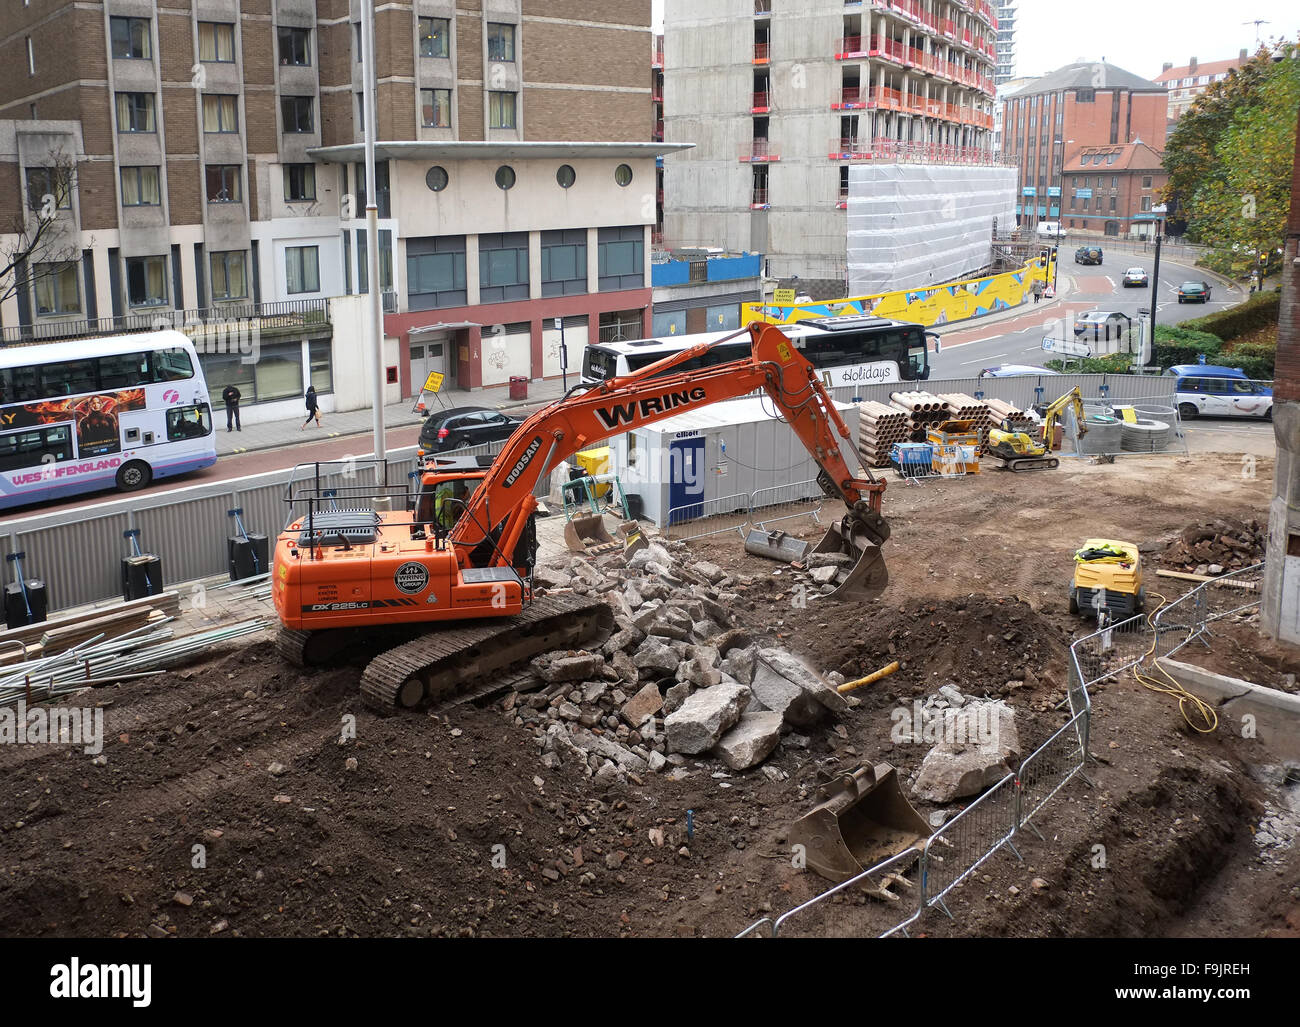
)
(1137, 35)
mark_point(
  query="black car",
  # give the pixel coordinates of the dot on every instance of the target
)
(1087, 255)
(1194, 292)
(465, 426)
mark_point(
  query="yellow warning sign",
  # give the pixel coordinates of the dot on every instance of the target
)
(434, 382)
(783, 297)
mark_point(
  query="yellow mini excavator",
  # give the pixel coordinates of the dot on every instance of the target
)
(1020, 451)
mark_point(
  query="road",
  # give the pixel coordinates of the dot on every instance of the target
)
(963, 354)
(1018, 340)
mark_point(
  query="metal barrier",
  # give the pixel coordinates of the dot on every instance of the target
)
(755, 929)
(1189, 618)
(784, 502)
(1112, 649)
(1050, 768)
(962, 845)
(708, 517)
(867, 877)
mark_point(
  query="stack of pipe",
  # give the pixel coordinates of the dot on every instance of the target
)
(879, 427)
(922, 409)
(962, 407)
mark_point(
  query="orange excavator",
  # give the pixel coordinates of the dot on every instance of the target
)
(440, 592)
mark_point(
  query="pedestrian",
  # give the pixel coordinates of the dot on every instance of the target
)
(313, 409)
(230, 396)
(1037, 289)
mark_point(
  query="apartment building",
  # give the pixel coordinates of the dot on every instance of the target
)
(1050, 119)
(205, 159)
(1188, 81)
(782, 97)
(1005, 62)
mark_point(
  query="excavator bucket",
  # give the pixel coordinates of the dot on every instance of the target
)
(857, 538)
(776, 545)
(587, 534)
(860, 819)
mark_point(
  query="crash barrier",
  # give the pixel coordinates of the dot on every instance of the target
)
(744, 510)
(78, 551)
(957, 849)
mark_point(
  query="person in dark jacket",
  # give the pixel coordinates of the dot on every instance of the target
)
(230, 396)
(313, 409)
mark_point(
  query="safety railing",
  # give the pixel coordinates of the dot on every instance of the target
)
(967, 841)
(1188, 619)
(744, 510)
(1051, 767)
(784, 502)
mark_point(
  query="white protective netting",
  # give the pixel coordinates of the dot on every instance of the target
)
(916, 226)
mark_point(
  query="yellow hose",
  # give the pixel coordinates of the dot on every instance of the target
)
(1204, 710)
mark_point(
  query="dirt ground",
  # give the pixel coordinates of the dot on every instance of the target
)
(231, 801)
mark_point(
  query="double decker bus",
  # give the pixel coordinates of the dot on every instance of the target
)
(854, 349)
(92, 414)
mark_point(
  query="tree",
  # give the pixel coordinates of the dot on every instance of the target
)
(37, 241)
(1229, 159)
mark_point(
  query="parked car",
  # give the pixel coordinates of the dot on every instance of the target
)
(1194, 292)
(1102, 325)
(1012, 370)
(1088, 255)
(465, 426)
(1213, 391)
(1136, 276)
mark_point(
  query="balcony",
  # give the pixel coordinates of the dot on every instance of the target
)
(758, 201)
(761, 103)
(851, 98)
(759, 151)
(285, 317)
(761, 53)
(893, 151)
(850, 47)
(657, 54)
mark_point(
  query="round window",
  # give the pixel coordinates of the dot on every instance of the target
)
(566, 176)
(623, 174)
(436, 179)
(505, 176)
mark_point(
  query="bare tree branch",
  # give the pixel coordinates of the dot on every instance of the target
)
(39, 241)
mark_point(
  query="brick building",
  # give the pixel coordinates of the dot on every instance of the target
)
(1188, 81)
(1067, 111)
(213, 151)
(1112, 190)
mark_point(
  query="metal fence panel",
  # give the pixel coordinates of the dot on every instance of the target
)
(784, 502)
(1050, 767)
(787, 925)
(1112, 649)
(961, 846)
(708, 517)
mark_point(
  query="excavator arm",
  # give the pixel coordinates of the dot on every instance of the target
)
(505, 498)
(1074, 399)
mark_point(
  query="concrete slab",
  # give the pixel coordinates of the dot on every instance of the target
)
(1274, 715)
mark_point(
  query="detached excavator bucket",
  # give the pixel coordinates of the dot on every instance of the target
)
(861, 819)
(776, 545)
(586, 534)
(858, 536)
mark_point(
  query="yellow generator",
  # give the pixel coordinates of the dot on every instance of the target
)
(1107, 577)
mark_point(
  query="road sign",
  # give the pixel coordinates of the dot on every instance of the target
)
(783, 297)
(1067, 347)
(434, 382)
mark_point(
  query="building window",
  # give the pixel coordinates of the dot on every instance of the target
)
(505, 176)
(564, 262)
(1112, 203)
(221, 113)
(56, 288)
(299, 182)
(296, 112)
(229, 282)
(623, 174)
(434, 35)
(131, 38)
(435, 107)
(224, 183)
(356, 40)
(1114, 181)
(501, 110)
(500, 42)
(1085, 95)
(216, 42)
(146, 281)
(135, 112)
(1146, 181)
(1146, 203)
(295, 47)
(503, 267)
(1085, 203)
(140, 187)
(302, 269)
(436, 179)
(318, 353)
(51, 182)
(621, 258)
(566, 176)
(435, 272)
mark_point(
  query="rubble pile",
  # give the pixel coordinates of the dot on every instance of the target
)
(678, 678)
(1215, 547)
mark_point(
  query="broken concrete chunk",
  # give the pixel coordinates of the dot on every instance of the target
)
(824, 575)
(974, 744)
(739, 663)
(751, 741)
(698, 724)
(656, 655)
(699, 671)
(646, 703)
(567, 666)
(675, 696)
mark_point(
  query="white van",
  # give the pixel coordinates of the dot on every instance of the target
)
(1050, 230)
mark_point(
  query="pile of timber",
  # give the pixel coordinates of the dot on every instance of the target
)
(57, 634)
(879, 427)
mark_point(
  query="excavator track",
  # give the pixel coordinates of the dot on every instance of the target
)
(442, 664)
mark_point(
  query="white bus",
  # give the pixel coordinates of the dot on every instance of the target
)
(95, 413)
(854, 349)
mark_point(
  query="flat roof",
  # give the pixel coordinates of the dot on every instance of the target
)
(732, 412)
(429, 150)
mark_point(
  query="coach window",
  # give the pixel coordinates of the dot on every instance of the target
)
(172, 365)
(191, 422)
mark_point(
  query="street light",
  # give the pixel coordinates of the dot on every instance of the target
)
(376, 319)
(1060, 210)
